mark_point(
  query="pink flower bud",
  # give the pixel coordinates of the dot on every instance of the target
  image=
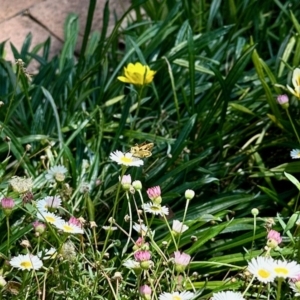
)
(154, 194)
(145, 292)
(142, 255)
(126, 182)
(181, 260)
(283, 100)
(7, 205)
(274, 238)
(39, 227)
(75, 221)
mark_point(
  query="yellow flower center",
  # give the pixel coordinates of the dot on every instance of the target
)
(60, 177)
(176, 298)
(264, 273)
(68, 228)
(126, 160)
(26, 264)
(156, 208)
(281, 270)
(50, 219)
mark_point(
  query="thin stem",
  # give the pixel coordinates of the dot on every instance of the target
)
(8, 235)
(172, 235)
(254, 232)
(291, 121)
(278, 296)
(139, 99)
(247, 288)
(114, 212)
(184, 216)
(130, 225)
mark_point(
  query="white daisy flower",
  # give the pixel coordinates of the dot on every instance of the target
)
(125, 159)
(68, 227)
(142, 229)
(26, 262)
(295, 153)
(48, 203)
(131, 264)
(178, 227)
(176, 295)
(262, 269)
(48, 254)
(56, 173)
(295, 286)
(227, 296)
(49, 217)
(155, 209)
(286, 269)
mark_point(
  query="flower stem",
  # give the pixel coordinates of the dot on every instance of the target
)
(184, 216)
(8, 235)
(292, 123)
(139, 99)
(172, 235)
(278, 296)
(130, 227)
(254, 232)
(114, 211)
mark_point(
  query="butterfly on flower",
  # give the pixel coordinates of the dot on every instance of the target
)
(142, 151)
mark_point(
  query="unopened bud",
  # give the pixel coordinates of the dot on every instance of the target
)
(189, 194)
(137, 185)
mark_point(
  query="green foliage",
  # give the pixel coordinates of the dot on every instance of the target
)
(211, 112)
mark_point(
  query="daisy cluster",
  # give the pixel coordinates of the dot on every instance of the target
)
(146, 257)
(266, 269)
(46, 212)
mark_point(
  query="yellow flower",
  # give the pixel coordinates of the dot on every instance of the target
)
(296, 83)
(137, 74)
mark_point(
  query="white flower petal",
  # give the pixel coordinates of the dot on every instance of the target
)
(262, 269)
(229, 295)
(49, 217)
(295, 153)
(26, 262)
(125, 159)
(68, 227)
(285, 269)
(176, 295)
(155, 209)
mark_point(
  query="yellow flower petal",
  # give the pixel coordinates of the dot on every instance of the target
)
(137, 74)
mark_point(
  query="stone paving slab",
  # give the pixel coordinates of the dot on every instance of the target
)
(17, 29)
(10, 8)
(53, 13)
(44, 18)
